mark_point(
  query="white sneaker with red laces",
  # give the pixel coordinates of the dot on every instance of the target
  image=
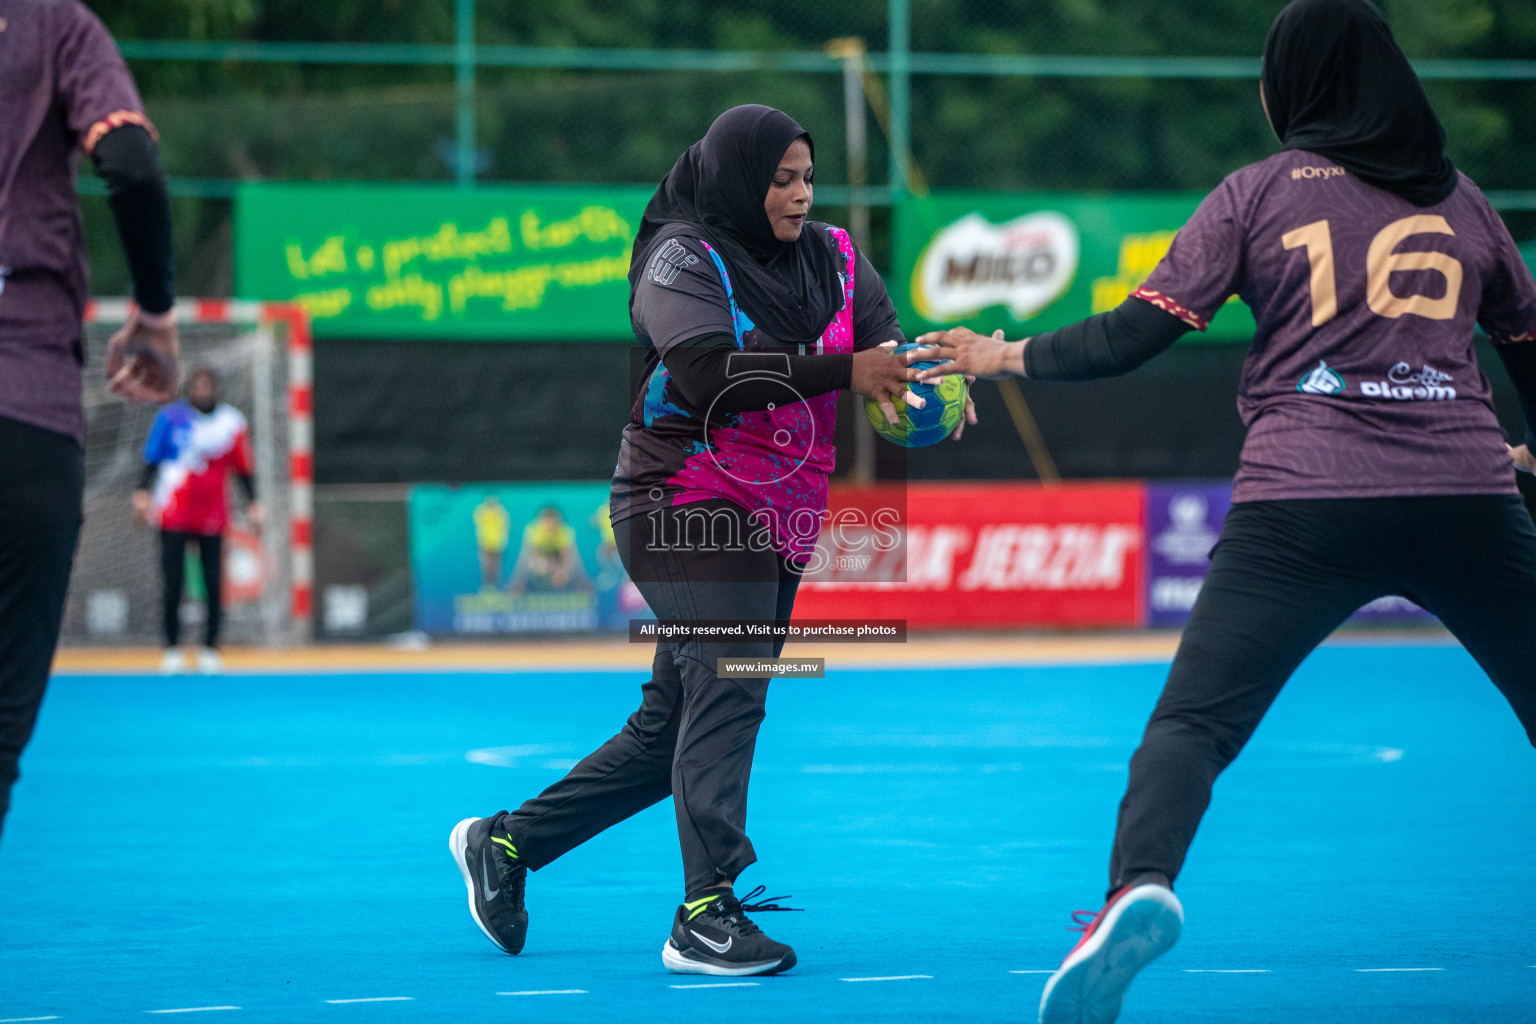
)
(1139, 924)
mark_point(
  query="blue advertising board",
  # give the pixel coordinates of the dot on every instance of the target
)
(491, 559)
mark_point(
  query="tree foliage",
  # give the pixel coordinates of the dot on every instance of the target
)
(284, 120)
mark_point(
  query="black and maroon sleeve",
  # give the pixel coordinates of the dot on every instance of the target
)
(874, 315)
(1507, 313)
(1203, 266)
(103, 110)
(1202, 269)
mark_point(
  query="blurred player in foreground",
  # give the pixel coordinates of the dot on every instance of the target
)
(184, 492)
(1373, 465)
(752, 318)
(63, 87)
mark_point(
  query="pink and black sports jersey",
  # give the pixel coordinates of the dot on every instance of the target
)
(777, 461)
(63, 85)
(195, 452)
(1362, 379)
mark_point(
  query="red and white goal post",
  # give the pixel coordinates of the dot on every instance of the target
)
(262, 352)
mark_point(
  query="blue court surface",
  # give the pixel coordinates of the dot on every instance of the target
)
(274, 848)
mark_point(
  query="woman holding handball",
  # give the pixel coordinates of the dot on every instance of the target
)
(751, 318)
(1373, 465)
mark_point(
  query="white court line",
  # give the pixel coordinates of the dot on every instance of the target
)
(1227, 970)
(1031, 972)
(18, 1020)
(373, 999)
(893, 977)
(195, 1009)
(1394, 970)
(548, 992)
(721, 984)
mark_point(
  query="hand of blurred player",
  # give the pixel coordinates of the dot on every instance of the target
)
(970, 406)
(879, 375)
(256, 515)
(143, 358)
(1525, 460)
(962, 350)
(142, 500)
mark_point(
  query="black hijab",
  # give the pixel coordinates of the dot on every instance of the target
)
(1337, 85)
(715, 191)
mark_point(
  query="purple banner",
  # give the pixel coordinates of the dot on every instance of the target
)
(1392, 610)
(1183, 521)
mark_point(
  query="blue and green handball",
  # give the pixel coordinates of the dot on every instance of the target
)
(919, 428)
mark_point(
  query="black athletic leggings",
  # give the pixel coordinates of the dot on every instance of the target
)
(1283, 576)
(693, 737)
(173, 571)
(42, 479)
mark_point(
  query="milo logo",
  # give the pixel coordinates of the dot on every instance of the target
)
(1024, 265)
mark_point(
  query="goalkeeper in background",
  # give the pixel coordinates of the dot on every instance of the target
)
(63, 87)
(184, 492)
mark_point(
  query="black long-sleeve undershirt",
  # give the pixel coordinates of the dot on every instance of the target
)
(1109, 344)
(1104, 345)
(128, 161)
(1520, 361)
(711, 372)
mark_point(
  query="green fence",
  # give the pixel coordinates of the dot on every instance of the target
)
(983, 94)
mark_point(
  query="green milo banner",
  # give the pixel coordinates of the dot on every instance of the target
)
(1034, 261)
(543, 263)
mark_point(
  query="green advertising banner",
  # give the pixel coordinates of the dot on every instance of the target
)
(541, 263)
(1035, 261)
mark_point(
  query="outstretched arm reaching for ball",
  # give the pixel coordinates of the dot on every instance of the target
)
(711, 373)
(1104, 345)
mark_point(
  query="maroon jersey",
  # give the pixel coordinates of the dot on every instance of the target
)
(63, 85)
(1362, 380)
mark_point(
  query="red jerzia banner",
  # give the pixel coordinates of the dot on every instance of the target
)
(981, 556)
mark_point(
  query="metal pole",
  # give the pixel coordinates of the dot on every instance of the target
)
(464, 80)
(851, 53)
(900, 17)
(274, 535)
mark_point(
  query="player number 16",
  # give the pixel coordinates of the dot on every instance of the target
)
(1380, 262)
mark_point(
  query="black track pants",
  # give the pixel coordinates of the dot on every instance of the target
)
(42, 480)
(1283, 576)
(173, 570)
(694, 733)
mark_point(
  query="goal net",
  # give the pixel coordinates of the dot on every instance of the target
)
(260, 352)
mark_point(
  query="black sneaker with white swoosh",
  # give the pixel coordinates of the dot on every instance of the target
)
(713, 935)
(495, 876)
